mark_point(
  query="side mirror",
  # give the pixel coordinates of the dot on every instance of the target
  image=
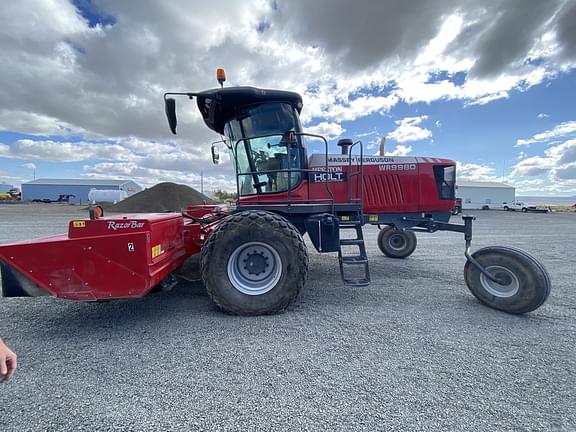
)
(170, 107)
(215, 154)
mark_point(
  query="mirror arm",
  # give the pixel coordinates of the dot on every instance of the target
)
(190, 95)
(223, 139)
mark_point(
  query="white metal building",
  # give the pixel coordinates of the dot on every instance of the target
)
(476, 195)
(80, 188)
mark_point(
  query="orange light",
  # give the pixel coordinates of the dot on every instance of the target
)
(220, 75)
(96, 212)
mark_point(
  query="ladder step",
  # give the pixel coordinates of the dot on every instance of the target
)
(349, 242)
(349, 225)
(357, 282)
(354, 260)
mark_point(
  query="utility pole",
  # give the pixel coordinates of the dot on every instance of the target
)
(202, 182)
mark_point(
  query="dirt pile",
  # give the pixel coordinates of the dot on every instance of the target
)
(162, 197)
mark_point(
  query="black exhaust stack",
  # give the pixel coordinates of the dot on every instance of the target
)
(344, 144)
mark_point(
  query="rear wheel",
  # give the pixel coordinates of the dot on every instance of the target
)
(524, 282)
(506, 208)
(524, 210)
(395, 243)
(254, 263)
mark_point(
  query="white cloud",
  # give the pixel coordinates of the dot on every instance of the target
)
(35, 124)
(400, 150)
(150, 176)
(64, 151)
(527, 186)
(542, 115)
(475, 172)
(564, 153)
(562, 130)
(523, 184)
(566, 172)
(408, 130)
(533, 166)
(29, 166)
(483, 100)
(146, 154)
(40, 31)
(16, 180)
(449, 30)
(329, 130)
(344, 108)
(417, 88)
(558, 163)
(365, 134)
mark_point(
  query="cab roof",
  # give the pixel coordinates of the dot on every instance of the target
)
(218, 106)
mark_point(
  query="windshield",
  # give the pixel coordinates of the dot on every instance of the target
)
(263, 142)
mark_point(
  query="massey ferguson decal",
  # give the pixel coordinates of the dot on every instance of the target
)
(113, 225)
(319, 160)
(336, 164)
(356, 159)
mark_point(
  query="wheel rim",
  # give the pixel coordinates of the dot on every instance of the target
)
(510, 286)
(254, 268)
(397, 242)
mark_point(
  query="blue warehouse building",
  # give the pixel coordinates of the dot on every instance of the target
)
(52, 188)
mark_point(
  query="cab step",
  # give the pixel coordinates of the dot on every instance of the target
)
(347, 262)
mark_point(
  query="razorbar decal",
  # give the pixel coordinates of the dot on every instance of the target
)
(113, 225)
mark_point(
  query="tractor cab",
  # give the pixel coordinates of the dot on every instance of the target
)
(267, 151)
(262, 130)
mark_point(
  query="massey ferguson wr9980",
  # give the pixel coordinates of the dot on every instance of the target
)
(252, 256)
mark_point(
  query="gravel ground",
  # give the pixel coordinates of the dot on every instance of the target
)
(412, 351)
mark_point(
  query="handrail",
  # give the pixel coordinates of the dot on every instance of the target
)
(359, 173)
(288, 170)
(326, 184)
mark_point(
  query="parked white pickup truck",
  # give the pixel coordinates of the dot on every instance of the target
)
(523, 207)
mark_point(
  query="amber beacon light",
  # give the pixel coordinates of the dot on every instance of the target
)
(221, 76)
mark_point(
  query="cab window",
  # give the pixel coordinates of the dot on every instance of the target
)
(265, 147)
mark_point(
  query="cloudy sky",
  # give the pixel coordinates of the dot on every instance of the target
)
(488, 83)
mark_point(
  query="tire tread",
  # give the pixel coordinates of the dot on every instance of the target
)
(255, 220)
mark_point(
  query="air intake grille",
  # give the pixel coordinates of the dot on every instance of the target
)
(383, 189)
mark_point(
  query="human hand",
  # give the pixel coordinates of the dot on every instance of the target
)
(7, 362)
